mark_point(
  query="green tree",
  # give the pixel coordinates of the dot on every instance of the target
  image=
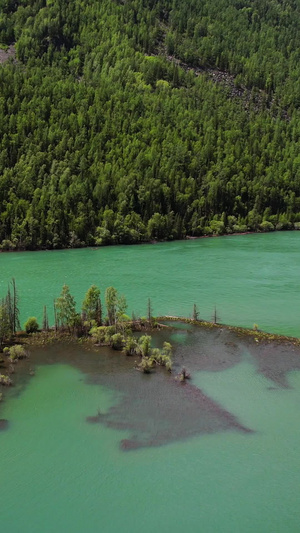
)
(117, 341)
(5, 327)
(111, 300)
(167, 349)
(65, 308)
(12, 306)
(108, 144)
(31, 325)
(121, 309)
(116, 306)
(130, 347)
(91, 306)
(145, 345)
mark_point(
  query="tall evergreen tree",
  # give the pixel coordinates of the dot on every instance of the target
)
(65, 308)
(91, 306)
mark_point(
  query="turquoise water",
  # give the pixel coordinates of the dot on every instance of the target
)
(251, 278)
(60, 473)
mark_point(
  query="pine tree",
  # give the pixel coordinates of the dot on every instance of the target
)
(65, 308)
(5, 329)
(16, 311)
(91, 306)
(11, 302)
(111, 298)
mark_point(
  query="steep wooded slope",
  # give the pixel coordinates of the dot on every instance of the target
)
(105, 138)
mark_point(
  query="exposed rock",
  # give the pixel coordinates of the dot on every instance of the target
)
(10, 53)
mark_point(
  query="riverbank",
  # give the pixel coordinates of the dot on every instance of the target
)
(15, 248)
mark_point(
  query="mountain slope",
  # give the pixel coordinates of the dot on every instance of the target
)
(105, 138)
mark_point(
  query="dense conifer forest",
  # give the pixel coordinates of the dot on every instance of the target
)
(124, 121)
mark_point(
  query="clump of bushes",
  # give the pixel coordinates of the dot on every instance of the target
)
(31, 325)
(7, 245)
(154, 356)
(5, 380)
(141, 347)
(130, 346)
(117, 341)
(266, 226)
(102, 334)
(239, 228)
(146, 365)
(15, 352)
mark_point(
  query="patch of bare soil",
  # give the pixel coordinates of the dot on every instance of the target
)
(7, 54)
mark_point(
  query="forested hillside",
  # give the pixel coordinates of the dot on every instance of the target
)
(124, 121)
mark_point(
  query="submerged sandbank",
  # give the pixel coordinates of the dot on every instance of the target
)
(157, 409)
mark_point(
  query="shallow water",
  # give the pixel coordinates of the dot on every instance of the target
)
(218, 454)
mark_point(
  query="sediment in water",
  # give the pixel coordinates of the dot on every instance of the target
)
(157, 409)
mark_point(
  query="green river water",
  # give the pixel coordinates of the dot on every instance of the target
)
(199, 467)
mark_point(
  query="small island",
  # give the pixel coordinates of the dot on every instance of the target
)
(113, 328)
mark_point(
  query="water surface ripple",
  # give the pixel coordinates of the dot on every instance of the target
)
(220, 453)
(250, 278)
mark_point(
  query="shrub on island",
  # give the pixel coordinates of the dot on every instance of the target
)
(5, 380)
(31, 325)
(15, 352)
